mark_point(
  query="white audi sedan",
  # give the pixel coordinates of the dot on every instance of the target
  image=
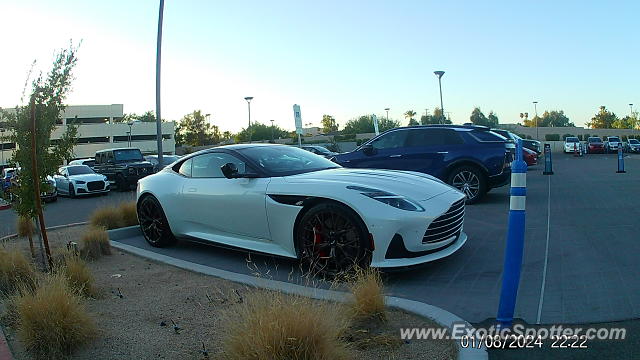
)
(74, 180)
(285, 201)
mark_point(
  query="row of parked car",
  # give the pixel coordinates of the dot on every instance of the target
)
(595, 145)
(121, 168)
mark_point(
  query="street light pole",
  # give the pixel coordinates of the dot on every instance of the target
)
(535, 109)
(158, 113)
(272, 130)
(439, 75)
(249, 98)
(387, 110)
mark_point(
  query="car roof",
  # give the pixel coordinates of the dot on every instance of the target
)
(114, 149)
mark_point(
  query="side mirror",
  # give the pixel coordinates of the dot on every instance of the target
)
(368, 149)
(229, 170)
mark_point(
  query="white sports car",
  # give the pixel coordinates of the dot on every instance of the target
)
(286, 201)
(74, 180)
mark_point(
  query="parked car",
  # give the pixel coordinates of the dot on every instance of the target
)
(7, 175)
(48, 192)
(74, 180)
(122, 166)
(90, 162)
(166, 161)
(511, 139)
(633, 145)
(612, 144)
(571, 144)
(470, 158)
(534, 145)
(529, 156)
(595, 145)
(320, 150)
(286, 201)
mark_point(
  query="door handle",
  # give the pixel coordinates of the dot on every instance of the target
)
(395, 156)
(192, 190)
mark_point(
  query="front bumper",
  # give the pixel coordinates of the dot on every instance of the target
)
(399, 239)
(84, 189)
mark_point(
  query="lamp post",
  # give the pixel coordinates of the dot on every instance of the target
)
(387, 110)
(272, 130)
(535, 109)
(249, 98)
(130, 123)
(2, 144)
(207, 117)
(439, 75)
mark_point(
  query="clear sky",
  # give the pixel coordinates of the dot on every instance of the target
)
(343, 58)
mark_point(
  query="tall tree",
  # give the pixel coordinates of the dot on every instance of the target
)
(329, 124)
(627, 122)
(409, 115)
(413, 122)
(261, 132)
(478, 118)
(364, 125)
(194, 130)
(555, 118)
(436, 118)
(492, 119)
(604, 119)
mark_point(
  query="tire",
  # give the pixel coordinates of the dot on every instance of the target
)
(121, 183)
(153, 223)
(470, 180)
(331, 238)
(72, 191)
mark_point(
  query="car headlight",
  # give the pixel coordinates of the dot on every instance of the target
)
(397, 201)
(79, 182)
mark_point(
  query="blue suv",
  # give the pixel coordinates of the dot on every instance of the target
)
(470, 158)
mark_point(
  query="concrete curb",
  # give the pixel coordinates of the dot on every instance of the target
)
(56, 227)
(439, 315)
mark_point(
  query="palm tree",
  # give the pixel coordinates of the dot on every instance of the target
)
(409, 115)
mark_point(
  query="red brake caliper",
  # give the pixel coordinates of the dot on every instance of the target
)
(317, 240)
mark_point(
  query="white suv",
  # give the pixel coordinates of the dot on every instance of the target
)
(612, 144)
(571, 143)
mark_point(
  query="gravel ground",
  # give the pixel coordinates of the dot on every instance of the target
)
(139, 325)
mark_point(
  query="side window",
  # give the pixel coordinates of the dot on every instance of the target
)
(208, 165)
(185, 168)
(98, 157)
(109, 157)
(392, 140)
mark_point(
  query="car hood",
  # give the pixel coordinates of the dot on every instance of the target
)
(415, 185)
(87, 177)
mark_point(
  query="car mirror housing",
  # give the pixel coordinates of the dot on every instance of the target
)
(368, 149)
(229, 170)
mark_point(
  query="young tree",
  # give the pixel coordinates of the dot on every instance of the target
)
(604, 119)
(47, 102)
(329, 124)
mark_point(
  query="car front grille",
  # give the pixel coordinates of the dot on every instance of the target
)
(447, 225)
(95, 185)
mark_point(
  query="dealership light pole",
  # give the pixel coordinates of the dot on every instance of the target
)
(272, 130)
(249, 98)
(439, 75)
(387, 110)
(158, 113)
(208, 117)
(2, 144)
(130, 123)
(535, 110)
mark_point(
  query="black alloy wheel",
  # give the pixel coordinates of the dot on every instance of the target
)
(72, 191)
(153, 223)
(332, 239)
(470, 181)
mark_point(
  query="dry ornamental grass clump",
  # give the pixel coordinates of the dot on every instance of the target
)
(15, 271)
(95, 243)
(129, 213)
(78, 275)
(367, 289)
(25, 227)
(276, 326)
(51, 321)
(114, 217)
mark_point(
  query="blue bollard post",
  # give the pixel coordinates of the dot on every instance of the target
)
(515, 241)
(548, 167)
(620, 160)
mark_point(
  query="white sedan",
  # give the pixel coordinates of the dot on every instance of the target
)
(74, 180)
(288, 202)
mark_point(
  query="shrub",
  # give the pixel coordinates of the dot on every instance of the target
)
(95, 243)
(107, 217)
(78, 275)
(552, 137)
(284, 327)
(15, 272)
(346, 137)
(128, 213)
(25, 227)
(368, 294)
(51, 321)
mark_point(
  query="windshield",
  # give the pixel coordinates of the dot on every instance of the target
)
(634, 141)
(614, 139)
(595, 139)
(79, 170)
(128, 155)
(286, 160)
(572, 139)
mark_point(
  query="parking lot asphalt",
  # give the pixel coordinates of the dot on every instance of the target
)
(581, 237)
(66, 210)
